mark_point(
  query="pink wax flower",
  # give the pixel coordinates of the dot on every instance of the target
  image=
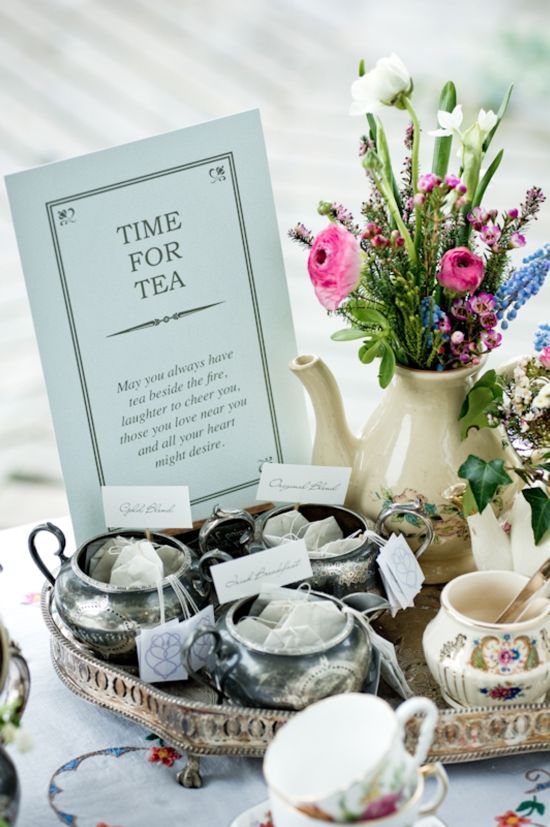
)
(371, 230)
(491, 339)
(488, 320)
(490, 234)
(459, 309)
(452, 181)
(444, 324)
(428, 182)
(544, 357)
(380, 241)
(334, 265)
(460, 270)
(477, 218)
(517, 240)
(513, 213)
(482, 303)
(457, 337)
(419, 199)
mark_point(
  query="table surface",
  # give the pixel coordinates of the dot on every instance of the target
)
(91, 768)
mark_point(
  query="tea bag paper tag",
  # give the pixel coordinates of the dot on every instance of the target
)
(147, 506)
(400, 572)
(389, 665)
(248, 575)
(282, 482)
(159, 648)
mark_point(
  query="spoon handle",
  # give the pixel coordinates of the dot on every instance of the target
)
(534, 585)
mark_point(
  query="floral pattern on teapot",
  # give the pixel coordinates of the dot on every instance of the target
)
(505, 655)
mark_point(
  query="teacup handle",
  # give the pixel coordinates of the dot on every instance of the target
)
(436, 771)
(419, 706)
(407, 508)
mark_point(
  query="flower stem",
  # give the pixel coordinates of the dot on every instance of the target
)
(385, 189)
(415, 151)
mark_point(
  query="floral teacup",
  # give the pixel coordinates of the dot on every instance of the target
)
(284, 815)
(477, 662)
(346, 754)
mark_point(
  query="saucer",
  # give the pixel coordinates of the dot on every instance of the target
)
(260, 816)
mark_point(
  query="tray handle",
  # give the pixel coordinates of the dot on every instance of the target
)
(58, 534)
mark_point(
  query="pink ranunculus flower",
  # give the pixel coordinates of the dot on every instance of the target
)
(460, 270)
(334, 265)
(544, 357)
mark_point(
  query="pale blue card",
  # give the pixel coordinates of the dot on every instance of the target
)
(157, 288)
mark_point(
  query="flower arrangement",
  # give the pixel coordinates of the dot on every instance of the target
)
(425, 280)
(519, 401)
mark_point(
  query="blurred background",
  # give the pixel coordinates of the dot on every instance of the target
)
(80, 75)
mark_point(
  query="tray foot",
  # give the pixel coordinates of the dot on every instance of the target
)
(190, 776)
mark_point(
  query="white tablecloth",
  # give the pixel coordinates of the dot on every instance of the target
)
(91, 768)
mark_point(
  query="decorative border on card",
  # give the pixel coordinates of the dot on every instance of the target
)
(68, 215)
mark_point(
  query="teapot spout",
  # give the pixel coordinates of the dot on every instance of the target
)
(334, 443)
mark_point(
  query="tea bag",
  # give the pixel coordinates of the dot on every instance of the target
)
(290, 525)
(137, 564)
(271, 593)
(337, 547)
(322, 532)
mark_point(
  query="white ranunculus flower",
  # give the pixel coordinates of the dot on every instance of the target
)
(542, 399)
(381, 86)
(486, 120)
(23, 740)
(450, 123)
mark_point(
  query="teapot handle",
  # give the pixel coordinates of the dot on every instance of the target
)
(407, 508)
(225, 515)
(19, 679)
(51, 529)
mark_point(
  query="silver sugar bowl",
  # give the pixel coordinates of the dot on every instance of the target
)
(249, 674)
(105, 617)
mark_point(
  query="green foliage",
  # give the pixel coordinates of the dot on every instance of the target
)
(540, 511)
(486, 180)
(485, 478)
(442, 146)
(347, 334)
(387, 365)
(482, 400)
(500, 114)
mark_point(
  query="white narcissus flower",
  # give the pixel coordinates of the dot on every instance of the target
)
(450, 123)
(486, 120)
(542, 399)
(382, 86)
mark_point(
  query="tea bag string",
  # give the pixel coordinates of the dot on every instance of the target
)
(291, 534)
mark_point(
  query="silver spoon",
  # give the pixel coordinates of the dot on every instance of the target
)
(532, 588)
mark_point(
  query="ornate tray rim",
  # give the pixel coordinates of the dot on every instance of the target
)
(205, 729)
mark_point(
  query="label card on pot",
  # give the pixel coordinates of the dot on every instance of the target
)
(282, 482)
(159, 298)
(159, 648)
(147, 506)
(287, 563)
(400, 572)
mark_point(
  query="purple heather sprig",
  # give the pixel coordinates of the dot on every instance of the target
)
(301, 234)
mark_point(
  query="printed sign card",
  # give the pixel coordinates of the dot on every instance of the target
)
(157, 288)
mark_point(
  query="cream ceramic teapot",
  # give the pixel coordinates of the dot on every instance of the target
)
(410, 449)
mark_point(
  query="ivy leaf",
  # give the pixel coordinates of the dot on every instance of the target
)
(347, 334)
(369, 351)
(387, 365)
(540, 511)
(482, 400)
(485, 478)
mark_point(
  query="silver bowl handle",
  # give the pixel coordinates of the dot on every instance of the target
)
(415, 508)
(224, 515)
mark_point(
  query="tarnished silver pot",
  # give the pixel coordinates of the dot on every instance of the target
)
(338, 575)
(9, 790)
(108, 618)
(251, 675)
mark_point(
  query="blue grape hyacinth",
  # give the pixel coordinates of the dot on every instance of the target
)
(523, 284)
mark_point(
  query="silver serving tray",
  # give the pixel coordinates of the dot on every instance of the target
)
(186, 715)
